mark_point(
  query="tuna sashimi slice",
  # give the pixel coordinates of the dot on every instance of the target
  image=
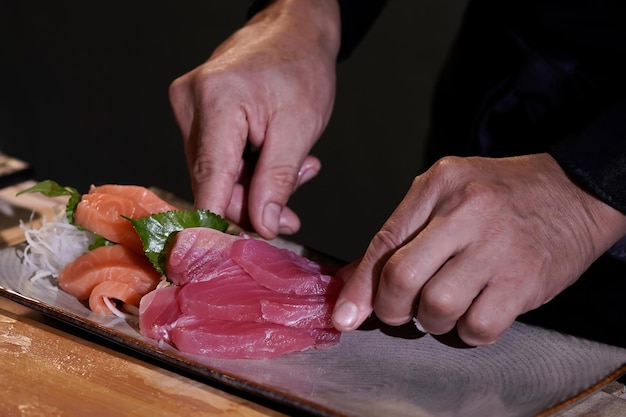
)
(281, 269)
(226, 298)
(325, 338)
(229, 339)
(240, 298)
(302, 313)
(158, 311)
(231, 299)
(108, 263)
(200, 254)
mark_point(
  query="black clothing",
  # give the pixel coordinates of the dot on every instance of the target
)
(536, 76)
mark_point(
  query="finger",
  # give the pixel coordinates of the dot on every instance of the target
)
(216, 146)
(356, 300)
(181, 99)
(345, 272)
(447, 296)
(492, 312)
(237, 213)
(410, 268)
(276, 178)
(309, 169)
(354, 303)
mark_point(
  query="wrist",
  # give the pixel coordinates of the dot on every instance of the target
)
(315, 21)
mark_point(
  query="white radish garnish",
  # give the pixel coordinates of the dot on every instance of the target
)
(52, 245)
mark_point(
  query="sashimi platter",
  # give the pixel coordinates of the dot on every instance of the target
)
(188, 289)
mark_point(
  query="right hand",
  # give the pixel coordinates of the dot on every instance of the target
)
(270, 86)
(475, 243)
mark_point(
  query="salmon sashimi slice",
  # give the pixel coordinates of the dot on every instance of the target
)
(108, 263)
(114, 292)
(142, 196)
(103, 209)
(102, 214)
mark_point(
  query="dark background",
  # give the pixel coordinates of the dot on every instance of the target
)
(83, 98)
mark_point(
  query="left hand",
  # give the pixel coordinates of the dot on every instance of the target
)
(475, 243)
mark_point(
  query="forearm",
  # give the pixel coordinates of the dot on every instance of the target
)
(356, 17)
(311, 24)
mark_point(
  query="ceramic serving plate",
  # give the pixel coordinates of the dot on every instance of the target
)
(373, 371)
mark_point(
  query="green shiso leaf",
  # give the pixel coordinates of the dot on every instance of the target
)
(100, 241)
(157, 229)
(50, 188)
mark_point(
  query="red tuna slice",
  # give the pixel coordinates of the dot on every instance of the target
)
(282, 270)
(299, 312)
(234, 297)
(158, 310)
(237, 340)
(240, 298)
(325, 338)
(200, 254)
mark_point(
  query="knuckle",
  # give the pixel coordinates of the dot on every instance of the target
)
(441, 304)
(450, 167)
(479, 330)
(176, 86)
(480, 195)
(204, 168)
(284, 178)
(402, 276)
(475, 190)
(384, 241)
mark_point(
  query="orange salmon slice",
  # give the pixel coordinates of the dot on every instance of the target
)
(108, 263)
(102, 209)
(142, 196)
(120, 291)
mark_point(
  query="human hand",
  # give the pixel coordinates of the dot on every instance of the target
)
(475, 243)
(269, 87)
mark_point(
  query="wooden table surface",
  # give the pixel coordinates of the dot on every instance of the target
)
(46, 370)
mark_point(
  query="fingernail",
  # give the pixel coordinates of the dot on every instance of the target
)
(271, 215)
(285, 227)
(346, 314)
(306, 174)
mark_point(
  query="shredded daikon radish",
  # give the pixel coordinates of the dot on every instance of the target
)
(111, 305)
(53, 245)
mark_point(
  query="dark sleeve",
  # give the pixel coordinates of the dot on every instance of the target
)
(357, 16)
(596, 157)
